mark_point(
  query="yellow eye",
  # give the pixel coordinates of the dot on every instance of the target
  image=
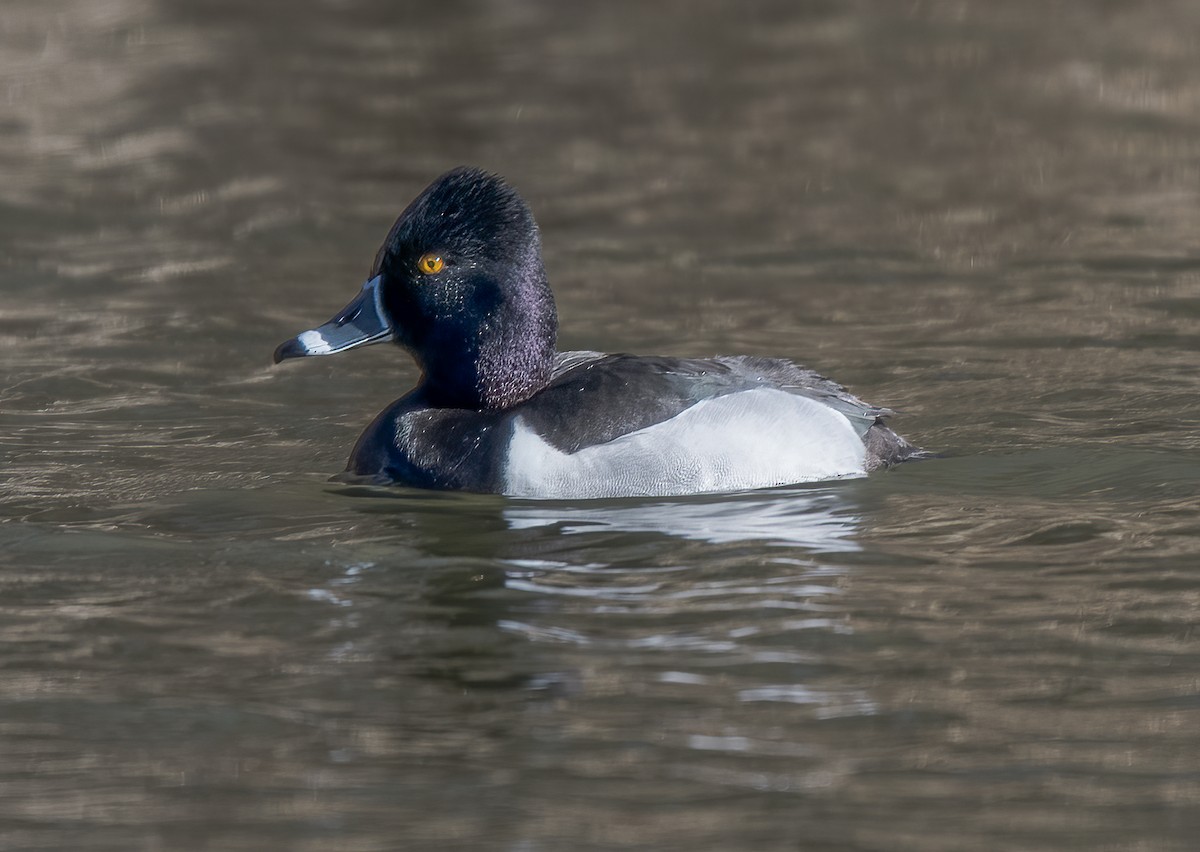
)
(431, 263)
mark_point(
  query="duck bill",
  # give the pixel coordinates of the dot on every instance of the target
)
(360, 323)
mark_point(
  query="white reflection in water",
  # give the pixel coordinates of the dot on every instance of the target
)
(815, 519)
(829, 704)
(543, 634)
(747, 745)
(350, 575)
(328, 597)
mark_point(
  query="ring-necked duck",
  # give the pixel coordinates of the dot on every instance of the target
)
(459, 283)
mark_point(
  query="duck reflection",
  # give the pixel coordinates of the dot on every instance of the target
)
(721, 601)
(817, 519)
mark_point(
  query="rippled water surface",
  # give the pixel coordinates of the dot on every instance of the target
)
(983, 215)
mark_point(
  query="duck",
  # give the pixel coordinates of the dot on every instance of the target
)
(460, 285)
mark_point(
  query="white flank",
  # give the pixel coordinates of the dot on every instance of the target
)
(752, 439)
(314, 343)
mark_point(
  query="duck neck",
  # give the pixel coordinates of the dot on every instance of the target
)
(509, 356)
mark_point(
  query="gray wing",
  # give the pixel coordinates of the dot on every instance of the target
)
(594, 398)
(884, 447)
(783, 374)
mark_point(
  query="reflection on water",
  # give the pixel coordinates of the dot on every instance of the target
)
(813, 519)
(982, 215)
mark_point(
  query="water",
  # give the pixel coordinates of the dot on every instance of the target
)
(983, 215)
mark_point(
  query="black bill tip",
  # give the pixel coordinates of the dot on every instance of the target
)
(290, 349)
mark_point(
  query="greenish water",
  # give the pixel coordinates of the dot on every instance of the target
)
(982, 215)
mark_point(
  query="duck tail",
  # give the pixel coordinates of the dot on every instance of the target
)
(886, 449)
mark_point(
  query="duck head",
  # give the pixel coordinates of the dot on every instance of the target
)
(459, 283)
